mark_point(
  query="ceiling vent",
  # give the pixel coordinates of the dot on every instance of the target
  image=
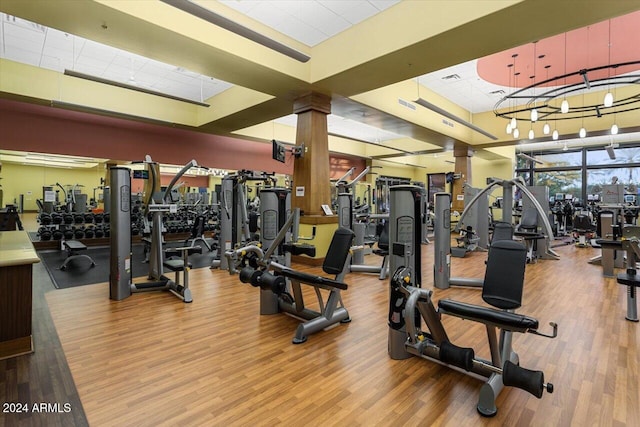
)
(451, 77)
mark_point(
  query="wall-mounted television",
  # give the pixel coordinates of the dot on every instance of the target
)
(278, 151)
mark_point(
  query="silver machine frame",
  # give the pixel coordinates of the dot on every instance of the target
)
(347, 218)
(331, 311)
(233, 216)
(120, 280)
(410, 304)
(442, 228)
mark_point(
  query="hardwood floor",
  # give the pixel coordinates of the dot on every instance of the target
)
(152, 360)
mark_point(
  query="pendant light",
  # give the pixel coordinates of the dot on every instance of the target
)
(608, 98)
(564, 106)
(546, 128)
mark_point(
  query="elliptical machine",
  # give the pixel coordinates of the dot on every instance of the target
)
(409, 305)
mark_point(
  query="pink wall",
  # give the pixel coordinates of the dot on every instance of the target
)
(44, 129)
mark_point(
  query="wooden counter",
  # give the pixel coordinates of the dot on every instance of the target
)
(16, 259)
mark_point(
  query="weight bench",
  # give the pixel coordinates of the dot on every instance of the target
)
(275, 296)
(73, 247)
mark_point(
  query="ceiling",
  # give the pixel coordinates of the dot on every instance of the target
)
(373, 64)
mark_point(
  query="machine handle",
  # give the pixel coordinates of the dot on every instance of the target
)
(553, 334)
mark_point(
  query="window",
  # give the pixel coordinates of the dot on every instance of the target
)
(561, 182)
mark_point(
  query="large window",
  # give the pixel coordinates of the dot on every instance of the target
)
(582, 173)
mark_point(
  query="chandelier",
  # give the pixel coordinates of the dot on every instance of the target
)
(547, 100)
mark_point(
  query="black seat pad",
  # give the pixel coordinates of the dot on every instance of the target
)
(175, 264)
(312, 279)
(502, 319)
(614, 244)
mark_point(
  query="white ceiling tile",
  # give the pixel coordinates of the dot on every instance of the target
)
(360, 13)
(341, 7)
(244, 6)
(383, 4)
(14, 53)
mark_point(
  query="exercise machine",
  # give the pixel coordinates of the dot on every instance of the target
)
(120, 283)
(543, 245)
(410, 305)
(280, 286)
(630, 244)
(348, 218)
(233, 215)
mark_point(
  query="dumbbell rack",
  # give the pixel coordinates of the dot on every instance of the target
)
(77, 226)
(94, 228)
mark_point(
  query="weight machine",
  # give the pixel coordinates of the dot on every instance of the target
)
(409, 305)
(348, 218)
(280, 286)
(157, 203)
(442, 230)
(233, 215)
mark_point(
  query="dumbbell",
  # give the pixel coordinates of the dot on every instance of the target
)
(44, 233)
(44, 218)
(56, 218)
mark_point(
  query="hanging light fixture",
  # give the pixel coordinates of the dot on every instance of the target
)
(555, 135)
(564, 106)
(531, 134)
(534, 110)
(614, 129)
(516, 133)
(510, 123)
(546, 128)
(514, 122)
(583, 131)
(608, 98)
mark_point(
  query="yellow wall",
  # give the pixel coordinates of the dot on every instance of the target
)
(483, 169)
(29, 180)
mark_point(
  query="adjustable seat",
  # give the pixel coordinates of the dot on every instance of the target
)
(528, 231)
(583, 230)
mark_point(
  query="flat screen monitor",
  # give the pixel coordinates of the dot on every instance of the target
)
(568, 196)
(141, 174)
(559, 197)
(590, 197)
(630, 198)
(278, 151)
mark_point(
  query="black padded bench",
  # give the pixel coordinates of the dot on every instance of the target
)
(502, 319)
(73, 247)
(313, 280)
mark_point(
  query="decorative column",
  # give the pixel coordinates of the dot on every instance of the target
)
(311, 188)
(463, 156)
(311, 185)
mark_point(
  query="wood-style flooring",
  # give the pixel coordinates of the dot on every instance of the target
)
(152, 360)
